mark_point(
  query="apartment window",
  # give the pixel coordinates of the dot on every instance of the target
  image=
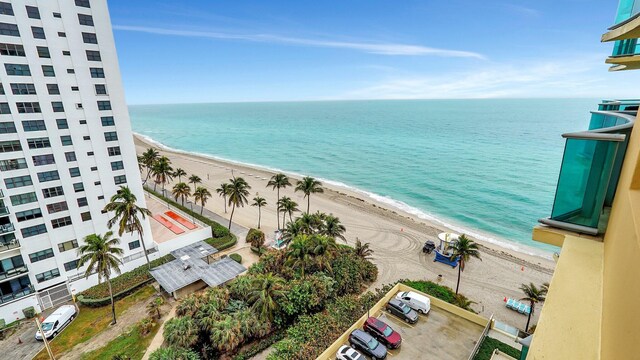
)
(48, 275)
(38, 32)
(85, 216)
(62, 124)
(57, 15)
(66, 140)
(9, 29)
(18, 181)
(101, 89)
(7, 128)
(39, 143)
(41, 255)
(79, 106)
(134, 244)
(48, 176)
(62, 34)
(17, 69)
(13, 164)
(94, 168)
(111, 136)
(47, 159)
(97, 72)
(33, 125)
(22, 199)
(71, 71)
(93, 55)
(23, 89)
(86, 137)
(28, 107)
(82, 202)
(107, 121)
(104, 105)
(11, 49)
(120, 179)
(70, 156)
(83, 3)
(113, 151)
(117, 165)
(101, 197)
(74, 172)
(57, 106)
(43, 52)
(61, 222)
(9, 146)
(28, 215)
(83, 122)
(71, 265)
(96, 183)
(66, 52)
(5, 8)
(85, 19)
(33, 12)
(2, 89)
(4, 108)
(75, 88)
(33, 230)
(68, 245)
(52, 192)
(47, 70)
(89, 38)
(77, 187)
(57, 207)
(89, 153)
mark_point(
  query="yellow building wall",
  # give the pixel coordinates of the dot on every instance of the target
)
(621, 276)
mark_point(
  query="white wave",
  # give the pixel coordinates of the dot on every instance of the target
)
(393, 203)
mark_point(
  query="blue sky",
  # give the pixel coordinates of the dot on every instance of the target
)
(221, 51)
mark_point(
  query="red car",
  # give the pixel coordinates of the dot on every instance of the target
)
(382, 332)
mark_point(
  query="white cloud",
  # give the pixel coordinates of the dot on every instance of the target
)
(368, 47)
(523, 10)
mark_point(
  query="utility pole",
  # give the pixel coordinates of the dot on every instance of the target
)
(44, 338)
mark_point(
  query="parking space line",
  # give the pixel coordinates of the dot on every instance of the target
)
(403, 321)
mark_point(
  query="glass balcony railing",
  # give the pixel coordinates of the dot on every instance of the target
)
(591, 168)
(13, 272)
(6, 228)
(627, 9)
(9, 245)
(17, 295)
(4, 210)
(627, 47)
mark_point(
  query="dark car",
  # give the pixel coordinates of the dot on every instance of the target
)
(402, 310)
(366, 344)
(428, 247)
(382, 332)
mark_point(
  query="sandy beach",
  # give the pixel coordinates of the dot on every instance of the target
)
(395, 236)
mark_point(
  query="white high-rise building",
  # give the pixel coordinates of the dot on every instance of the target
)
(65, 147)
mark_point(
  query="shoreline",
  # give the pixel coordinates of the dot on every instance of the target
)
(396, 207)
(529, 256)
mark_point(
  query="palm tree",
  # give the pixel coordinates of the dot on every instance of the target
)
(128, 215)
(292, 230)
(298, 254)
(179, 173)
(533, 295)
(149, 158)
(363, 250)
(308, 223)
(308, 186)
(182, 191)
(226, 335)
(277, 182)
(153, 307)
(140, 163)
(464, 249)
(201, 194)
(181, 332)
(323, 249)
(223, 191)
(195, 180)
(333, 228)
(162, 171)
(237, 192)
(264, 293)
(259, 202)
(287, 206)
(103, 257)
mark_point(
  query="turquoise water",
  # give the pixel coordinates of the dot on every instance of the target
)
(488, 167)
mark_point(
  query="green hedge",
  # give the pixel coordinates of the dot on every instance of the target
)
(428, 287)
(122, 285)
(221, 243)
(489, 344)
(260, 346)
(217, 231)
(236, 257)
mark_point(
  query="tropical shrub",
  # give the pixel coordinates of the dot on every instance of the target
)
(256, 238)
(236, 257)
(174, 353)
(145, 326)
(351, 272)
(489, 344)
(29, 312)
(181, 332)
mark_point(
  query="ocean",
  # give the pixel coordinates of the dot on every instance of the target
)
(484, 167)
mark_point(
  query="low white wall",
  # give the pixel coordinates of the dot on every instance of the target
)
(13, 311)
(184, 240)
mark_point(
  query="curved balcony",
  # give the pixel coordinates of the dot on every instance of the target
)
(591, 168)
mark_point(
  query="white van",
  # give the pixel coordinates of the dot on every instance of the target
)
(417, 302)
(57, 321)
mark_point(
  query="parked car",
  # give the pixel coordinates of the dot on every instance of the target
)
(347, 353)
(402, 310)
(382, 332)
(365, 343)
(417, 302)
(57, 321)
(428, 247)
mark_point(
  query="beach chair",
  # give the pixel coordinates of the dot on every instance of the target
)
(521, 308)
(527, 309)
(511, 304)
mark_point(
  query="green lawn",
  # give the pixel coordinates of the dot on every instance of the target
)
(92, 321)
(489, 344)
(131, 345)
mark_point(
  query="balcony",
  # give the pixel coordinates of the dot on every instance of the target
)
(13, 272)
(591, 168)
(6, 245)
(627, 24)
(7, 228)
(625, 56)
(17, 295)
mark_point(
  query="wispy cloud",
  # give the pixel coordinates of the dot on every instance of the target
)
(368, 47)
(523, 10)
